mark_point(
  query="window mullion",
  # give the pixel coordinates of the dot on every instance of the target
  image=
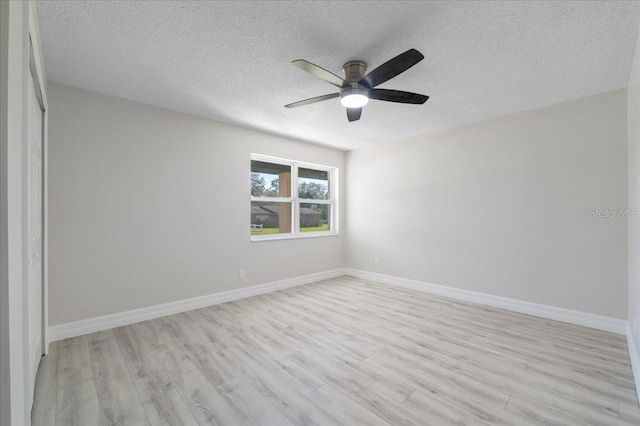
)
(333, 190)
(315, 201)
(296, 200)
(273, 199)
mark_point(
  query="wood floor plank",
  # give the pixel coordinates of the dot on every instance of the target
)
(204, 316)
(279, 309)
(596, 374)
(534, 388)
(432, 374)
(226, 313)
(616, 391)
(374, 377)
(152, 332)
(45, 401)
(629, 412)
(201, 354)
(465, 399)
(343, 408)
(252, 306)
(608, 352)
(578, 330)
(567, 410)
(295, 406)
(624, 371)
(43, 416)
(349, 315)
(77, 398)
(204, 401)
(488, 332)
(274, 338)
(380, 404)
(99, 335)
(213, 366)
(462, 348)
(174, 360)
(181, 328)
(136, 352)
(79, 413)
(319, 337)
(216, 337)
(250, 405)
(305, 340)
(298, 377)
(121, 406)
(162, 403)
(538, 415)
(73, 354)
(109, 368)
(440, 413)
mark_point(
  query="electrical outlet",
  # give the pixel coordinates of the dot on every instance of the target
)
(241, 273)
(376, 260)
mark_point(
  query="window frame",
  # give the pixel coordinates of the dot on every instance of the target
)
(295, 201)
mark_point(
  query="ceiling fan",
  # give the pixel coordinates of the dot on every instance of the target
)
(358, 87)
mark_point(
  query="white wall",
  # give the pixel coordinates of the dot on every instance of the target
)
(502, 207)
(148, 206)
(633, 123)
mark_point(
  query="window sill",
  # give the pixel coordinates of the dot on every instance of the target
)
(272, 237)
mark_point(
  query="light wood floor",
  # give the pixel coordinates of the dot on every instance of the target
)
(342, 351)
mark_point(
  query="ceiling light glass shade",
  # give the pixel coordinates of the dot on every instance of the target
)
(354, 97)
(354, 101)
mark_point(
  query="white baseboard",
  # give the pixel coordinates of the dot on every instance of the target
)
(550, 312)
(635, 361)
(91, 325)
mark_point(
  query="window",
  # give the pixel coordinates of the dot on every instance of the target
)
(291, 199)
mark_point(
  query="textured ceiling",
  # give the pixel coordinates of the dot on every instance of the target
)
(231, 61)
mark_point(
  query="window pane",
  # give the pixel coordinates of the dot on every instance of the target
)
(313, 184)
(270, 218)
(270, 179)
(315, 217)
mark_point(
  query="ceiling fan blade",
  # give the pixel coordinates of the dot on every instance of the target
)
(353, 114)
(319, 72)
(392, 68)
(313, 100)
(397, 96)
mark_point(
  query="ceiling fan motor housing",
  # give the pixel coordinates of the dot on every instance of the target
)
(353, 72)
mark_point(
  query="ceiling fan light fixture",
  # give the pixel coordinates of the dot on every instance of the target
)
(354, 97)
(358, 86)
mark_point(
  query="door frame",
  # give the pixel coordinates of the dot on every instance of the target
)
(36, 70)
(18, 33)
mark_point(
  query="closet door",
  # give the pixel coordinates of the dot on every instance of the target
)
(34, 188)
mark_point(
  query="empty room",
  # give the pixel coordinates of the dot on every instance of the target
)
(319, 213)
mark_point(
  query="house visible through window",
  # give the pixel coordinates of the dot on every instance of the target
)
(291, 199)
